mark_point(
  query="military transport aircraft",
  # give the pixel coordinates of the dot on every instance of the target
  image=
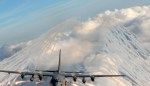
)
(58, 77)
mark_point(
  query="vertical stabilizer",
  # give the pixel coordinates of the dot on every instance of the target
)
(59, 62)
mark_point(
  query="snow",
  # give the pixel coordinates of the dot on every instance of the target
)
(115, 42)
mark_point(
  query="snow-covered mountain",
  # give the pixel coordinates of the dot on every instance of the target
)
(115, 42)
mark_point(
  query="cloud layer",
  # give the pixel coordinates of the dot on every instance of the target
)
(9, 50)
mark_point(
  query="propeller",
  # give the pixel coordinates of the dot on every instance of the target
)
(32, 78)
(74, 78)
(40, 77)
(83, 80)
(22, 76)
(92, 78)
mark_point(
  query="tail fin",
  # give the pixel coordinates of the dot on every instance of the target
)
(59, 62)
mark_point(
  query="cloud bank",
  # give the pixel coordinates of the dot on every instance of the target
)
(9, 50)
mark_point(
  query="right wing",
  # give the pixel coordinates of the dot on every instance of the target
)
(83, 76)
(91, 75)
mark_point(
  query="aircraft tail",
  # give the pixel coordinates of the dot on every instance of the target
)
(59, 62)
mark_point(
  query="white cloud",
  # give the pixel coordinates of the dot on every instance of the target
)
(9, 50)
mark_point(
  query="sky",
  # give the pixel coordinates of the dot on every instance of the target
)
(24, 20)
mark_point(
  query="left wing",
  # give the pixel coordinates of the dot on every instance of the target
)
(23, 74)
(17, 72)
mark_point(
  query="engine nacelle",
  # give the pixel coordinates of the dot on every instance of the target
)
(92, 78)
(32, 78)
(22, 76)
(83, 80)
(74, 78)
(40, 77)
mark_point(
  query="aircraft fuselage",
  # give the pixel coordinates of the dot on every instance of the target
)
(58, 80)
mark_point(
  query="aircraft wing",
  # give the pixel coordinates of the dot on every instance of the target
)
(70, 72)
(27, 73)
(91, 75)
(17, 72)
(83, 76)
(46, 70)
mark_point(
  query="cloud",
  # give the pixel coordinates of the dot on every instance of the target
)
(7, 51)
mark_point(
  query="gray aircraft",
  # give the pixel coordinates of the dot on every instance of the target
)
(58, 77)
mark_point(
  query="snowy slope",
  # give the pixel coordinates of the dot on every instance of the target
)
(115, 42)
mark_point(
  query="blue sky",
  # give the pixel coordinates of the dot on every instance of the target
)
(23, 20)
